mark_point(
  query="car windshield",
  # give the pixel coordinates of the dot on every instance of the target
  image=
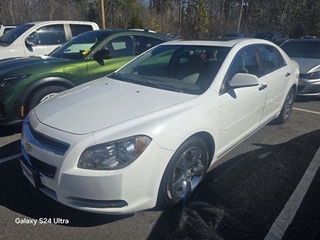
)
(10, 36)
(180, 68)
(302, 49)
(80, 46)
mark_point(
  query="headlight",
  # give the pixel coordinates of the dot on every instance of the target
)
(113, 155)
(10, 81)
(313, 75)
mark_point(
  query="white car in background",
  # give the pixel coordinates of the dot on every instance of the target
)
(6, 28)
(40, 38)
(150, 131)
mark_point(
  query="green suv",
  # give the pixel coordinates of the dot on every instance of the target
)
(26, 81)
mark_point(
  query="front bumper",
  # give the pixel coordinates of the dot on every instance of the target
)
(308, 87)
(9, 109)
(122, 191)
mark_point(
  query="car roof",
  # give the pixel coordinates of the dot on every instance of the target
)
(218, 42)
(58, 21)
(116, 31)
(303, 40)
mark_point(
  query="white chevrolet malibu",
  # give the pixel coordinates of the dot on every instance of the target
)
(150, 131)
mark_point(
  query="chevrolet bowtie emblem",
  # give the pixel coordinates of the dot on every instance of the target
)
(28, 147)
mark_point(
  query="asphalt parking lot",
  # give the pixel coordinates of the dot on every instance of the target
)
(266, 188)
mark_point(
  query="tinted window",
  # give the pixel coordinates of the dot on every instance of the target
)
(80, 46)
(271, 58)
(48, 35)
(149, 42)
(121, 46)
(77, 29)
(302, 49)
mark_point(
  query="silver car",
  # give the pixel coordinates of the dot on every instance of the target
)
(306, 52)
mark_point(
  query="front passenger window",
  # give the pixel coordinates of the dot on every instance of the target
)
(49, 35)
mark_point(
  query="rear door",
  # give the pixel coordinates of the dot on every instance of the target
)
(277, 74)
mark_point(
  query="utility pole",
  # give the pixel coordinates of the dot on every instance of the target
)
(103, 17)
(240, 16)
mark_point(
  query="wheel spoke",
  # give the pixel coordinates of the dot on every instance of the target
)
(186, 188)
(178, 184)
(195, 156)
(198, 170)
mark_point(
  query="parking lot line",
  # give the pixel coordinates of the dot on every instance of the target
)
(9, 158)
(308, 111)
(287, 214)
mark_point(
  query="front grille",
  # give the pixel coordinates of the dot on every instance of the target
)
(49, 142)
(300, 88)
(302, 75)
(43, 141)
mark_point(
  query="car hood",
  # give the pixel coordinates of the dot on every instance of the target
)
(103, 103)
(12, 64)
(306, 64)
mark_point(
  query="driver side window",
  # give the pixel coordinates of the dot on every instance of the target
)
(121, 46)
(48, 35)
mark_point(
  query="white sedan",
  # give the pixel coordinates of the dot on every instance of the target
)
(149, 132)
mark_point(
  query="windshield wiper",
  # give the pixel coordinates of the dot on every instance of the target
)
(163, 86)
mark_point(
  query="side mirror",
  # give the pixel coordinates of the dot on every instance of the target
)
(243, 80)
(102, 54)
(31, 41)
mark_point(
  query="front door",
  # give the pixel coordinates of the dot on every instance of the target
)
(241, 108)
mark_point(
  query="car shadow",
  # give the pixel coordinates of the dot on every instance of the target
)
(10, 130)
(306, 99)
(10, 149)
(241, 198)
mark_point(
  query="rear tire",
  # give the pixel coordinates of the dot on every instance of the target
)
(185, 171)
(41, 94)
(287, 107)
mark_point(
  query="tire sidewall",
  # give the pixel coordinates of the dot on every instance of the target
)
(39, 94)
(283, 117)
(169, 172)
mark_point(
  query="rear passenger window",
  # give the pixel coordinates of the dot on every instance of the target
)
(271, 58)
(77, 29)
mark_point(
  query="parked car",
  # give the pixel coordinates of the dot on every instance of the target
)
(151, 130)
(26, 81)
(271, 35)
(40, 38)
(309, 37)
(234, 35)
(306, 52)
(6, 28)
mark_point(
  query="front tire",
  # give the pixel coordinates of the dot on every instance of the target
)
(185, 171)
(41, 94)
(287, 107)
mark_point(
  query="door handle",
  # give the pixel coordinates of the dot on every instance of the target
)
(262, 86)
(287, 74)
